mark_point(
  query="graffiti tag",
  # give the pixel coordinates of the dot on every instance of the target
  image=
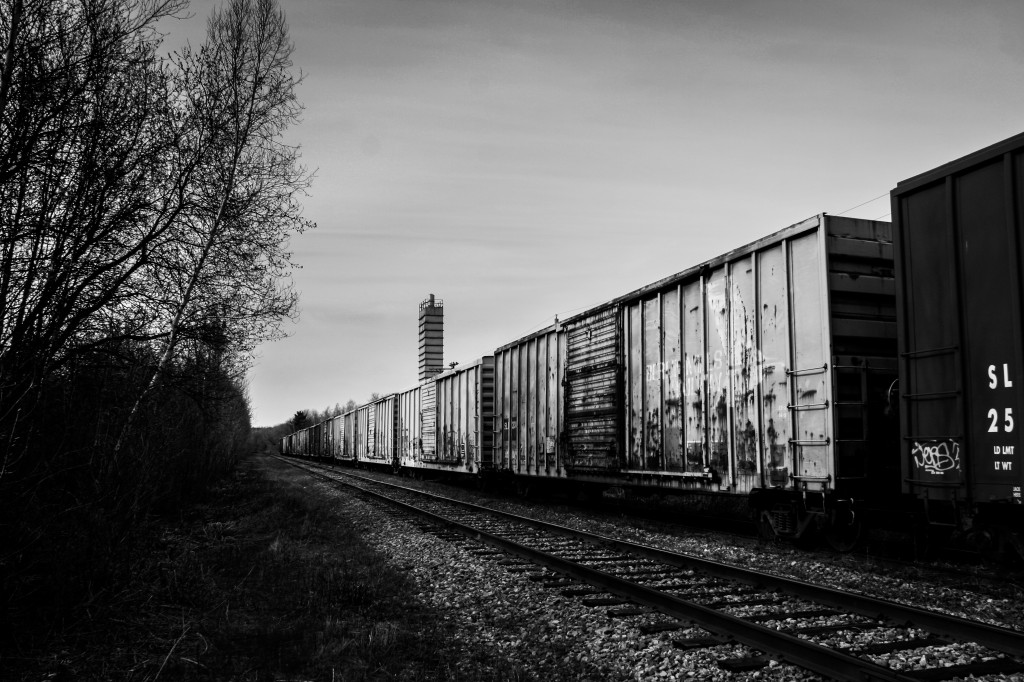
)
(937, 457)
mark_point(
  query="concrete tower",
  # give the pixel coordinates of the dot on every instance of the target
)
(431, 337)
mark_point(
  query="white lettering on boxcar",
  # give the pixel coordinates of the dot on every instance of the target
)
(993, 379)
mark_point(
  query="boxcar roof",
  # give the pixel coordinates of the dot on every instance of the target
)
(785, 233)
(963, 163)
(540, 332)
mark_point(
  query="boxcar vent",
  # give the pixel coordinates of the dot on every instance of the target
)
(431, 337)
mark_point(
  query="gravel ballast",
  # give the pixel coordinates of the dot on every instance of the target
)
(546, 635)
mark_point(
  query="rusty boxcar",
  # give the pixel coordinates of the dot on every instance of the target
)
(529, 405)
(301, 443)
(374, 439)
(958, 264)
(365, 429)
(336, 439)
(768, 375)
(409, 430)
(327, 439)
(384, 430)
(442, 424)
(762, 373)
(462, 414)
(350, 436)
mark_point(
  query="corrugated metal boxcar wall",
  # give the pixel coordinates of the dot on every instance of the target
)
(339, 422)
(328, 438)
(409, 426)
(727, 368)
(529, 404)
(592, 389)
(325, 439)
(316, 439)
(384, 429)
(351, 437)
(465, 409)
(428, 420)
(959, 255)
(366, 417)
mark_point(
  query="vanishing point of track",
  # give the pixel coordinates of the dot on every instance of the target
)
(671, 583)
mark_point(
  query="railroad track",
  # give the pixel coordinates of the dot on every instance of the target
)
(775, 617)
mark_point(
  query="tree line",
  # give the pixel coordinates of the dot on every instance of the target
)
(305, 418)
(146, 204)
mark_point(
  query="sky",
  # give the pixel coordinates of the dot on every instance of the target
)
(522, 159)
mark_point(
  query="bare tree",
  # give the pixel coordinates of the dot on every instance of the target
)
(223, 267)
(145, 208)
(241, 100)
(85, 193)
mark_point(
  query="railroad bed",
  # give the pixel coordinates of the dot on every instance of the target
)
(576, 602)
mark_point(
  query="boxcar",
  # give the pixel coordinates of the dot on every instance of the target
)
(529, 405)
(375, 430)
(384, 431)
(409, 430)
(762, 373)
(458, 415)
(327, 452)
(958, 263)
(366, 418)
(350, 436)
(336, 439)
(301, 442)
(324, 440)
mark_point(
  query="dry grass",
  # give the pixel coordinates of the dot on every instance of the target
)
(264, 581)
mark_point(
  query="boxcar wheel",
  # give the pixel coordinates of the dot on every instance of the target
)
(844, 537)
(992, 543)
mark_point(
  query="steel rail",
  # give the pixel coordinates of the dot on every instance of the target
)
(952, 627)
(835, 664)
(803, 653)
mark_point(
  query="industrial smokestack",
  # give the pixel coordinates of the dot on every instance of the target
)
(431, 337)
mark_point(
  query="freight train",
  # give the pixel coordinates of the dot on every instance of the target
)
(835, 375)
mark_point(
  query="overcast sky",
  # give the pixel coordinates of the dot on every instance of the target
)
(527, 158)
